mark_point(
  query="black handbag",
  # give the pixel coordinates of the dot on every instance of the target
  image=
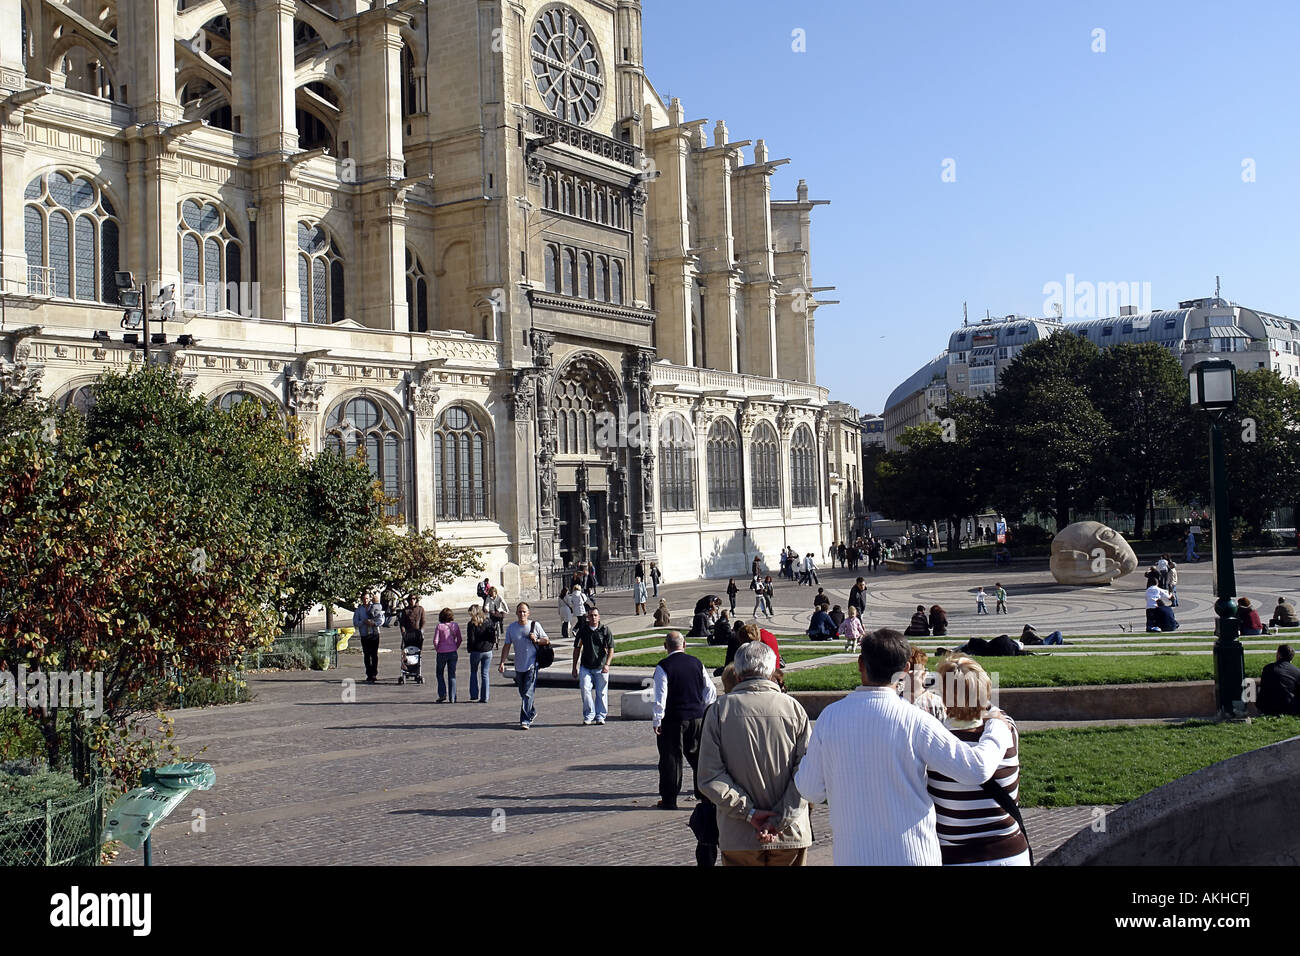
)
(545, 652)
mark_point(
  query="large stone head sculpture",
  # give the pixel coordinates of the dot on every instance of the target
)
(1088, 552)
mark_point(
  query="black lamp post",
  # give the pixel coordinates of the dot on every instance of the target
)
(1214, 389)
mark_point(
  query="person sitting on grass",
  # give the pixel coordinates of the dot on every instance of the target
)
(920, 626)
(821, 627)
(938, 621)
(1248, 617)
(837, 617)
(1284, 615)
(662, 616)
(721, 630)
(1001, 646)
(1278, 685)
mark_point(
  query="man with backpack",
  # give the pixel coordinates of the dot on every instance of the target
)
(527, 638)
(593, 647)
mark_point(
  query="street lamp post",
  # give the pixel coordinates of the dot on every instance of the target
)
(1213, 386)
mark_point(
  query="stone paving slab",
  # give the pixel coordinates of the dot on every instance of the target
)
(304, 777)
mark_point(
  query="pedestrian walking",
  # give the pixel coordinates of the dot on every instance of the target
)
(593, 648)
(731, 593)
(869, 753)
(682, 689)
(388, 604)
(752, 743)
(591, 580)
(495, 606)
(1173, 584)
(810, 570)
(446, 642)
(566, 613)
(769, 595)
(481, 639)
(576, 601)
(655, 576)
(760, 602)
(410, 621)
(639, 595)
(1001, 594)
(858, 596)
(366, 619)
(523, 637)
(1191, 554)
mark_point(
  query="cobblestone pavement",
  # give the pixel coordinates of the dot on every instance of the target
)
(304, 777)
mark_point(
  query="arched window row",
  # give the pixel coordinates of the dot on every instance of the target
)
(362, 423)
(71, 235)
(586, 275)
(585, 199)
(462, 453)
(803, 469)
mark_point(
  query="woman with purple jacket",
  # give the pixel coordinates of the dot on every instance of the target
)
(446, 641)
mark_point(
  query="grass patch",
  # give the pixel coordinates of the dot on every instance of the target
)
(715, 656)
(1066, 768)
(1052, 671)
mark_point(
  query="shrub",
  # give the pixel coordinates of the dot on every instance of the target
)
(207, 693)
(25, 786)
(1031, 536)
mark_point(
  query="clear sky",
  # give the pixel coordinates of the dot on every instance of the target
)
(1117, 166)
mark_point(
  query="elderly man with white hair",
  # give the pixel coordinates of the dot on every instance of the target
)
(754, 738)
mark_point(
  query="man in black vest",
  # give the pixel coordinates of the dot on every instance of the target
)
(682, 691)
(1278, 683)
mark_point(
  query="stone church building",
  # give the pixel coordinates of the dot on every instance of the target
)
(565, 321)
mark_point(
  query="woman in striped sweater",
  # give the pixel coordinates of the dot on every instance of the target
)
(973, 828)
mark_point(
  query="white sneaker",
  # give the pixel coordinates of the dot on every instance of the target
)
(587, 723)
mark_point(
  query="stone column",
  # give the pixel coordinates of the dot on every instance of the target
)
(274, 129)
(699, 419)
(147, 59)
(785, 423)
(13, 153)
(422, 400)
(306, 386)
(378, 150)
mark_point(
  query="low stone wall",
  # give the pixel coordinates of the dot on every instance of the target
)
(1241, 811)
(1100, 702)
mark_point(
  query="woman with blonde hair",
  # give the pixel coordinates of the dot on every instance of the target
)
(482, 641)
(977, 826)
(913, 687)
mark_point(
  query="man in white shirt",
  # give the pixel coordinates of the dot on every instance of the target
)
(868, 758)
(524, 637)
(810, 570)
(1159, 618)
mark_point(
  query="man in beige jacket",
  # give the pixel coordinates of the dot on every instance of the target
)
(753, 740)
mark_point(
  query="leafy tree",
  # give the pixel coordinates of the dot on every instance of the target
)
(1141, 391)
(418, 562)
(1262, 445)
(930, 478)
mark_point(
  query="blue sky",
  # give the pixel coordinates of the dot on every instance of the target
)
(1117, 166)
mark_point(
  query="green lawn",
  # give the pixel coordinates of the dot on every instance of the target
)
(714, 656)
(1052, 671)
(1064, 768)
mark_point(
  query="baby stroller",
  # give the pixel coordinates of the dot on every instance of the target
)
(412, 649)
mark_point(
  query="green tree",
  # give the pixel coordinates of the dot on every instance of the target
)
(1141, 391)
(1262, 444)
(1043, 433)
(930, 478)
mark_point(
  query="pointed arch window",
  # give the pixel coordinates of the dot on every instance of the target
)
(616, 281)
(552, 268)
(71, 235)
(462, 454)
(570, 272)
(320, 275)
(417, 293)
(363, 423)
(723, 467)
(602, 279)
(765, 467)
(212, 259)
(676, 465)
(803, 469)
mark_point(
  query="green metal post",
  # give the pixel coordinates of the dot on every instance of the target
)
(49, 824)
(1229, 657)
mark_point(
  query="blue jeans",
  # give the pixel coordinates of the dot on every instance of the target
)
(479, 662)
(1054, 638)
(447, 665)
(526, 682)
(594, 684)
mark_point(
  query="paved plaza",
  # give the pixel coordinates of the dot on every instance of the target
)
(1033, 597)
(305, 777)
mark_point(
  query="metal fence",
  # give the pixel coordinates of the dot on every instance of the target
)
(297, 650)
(66, 833)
